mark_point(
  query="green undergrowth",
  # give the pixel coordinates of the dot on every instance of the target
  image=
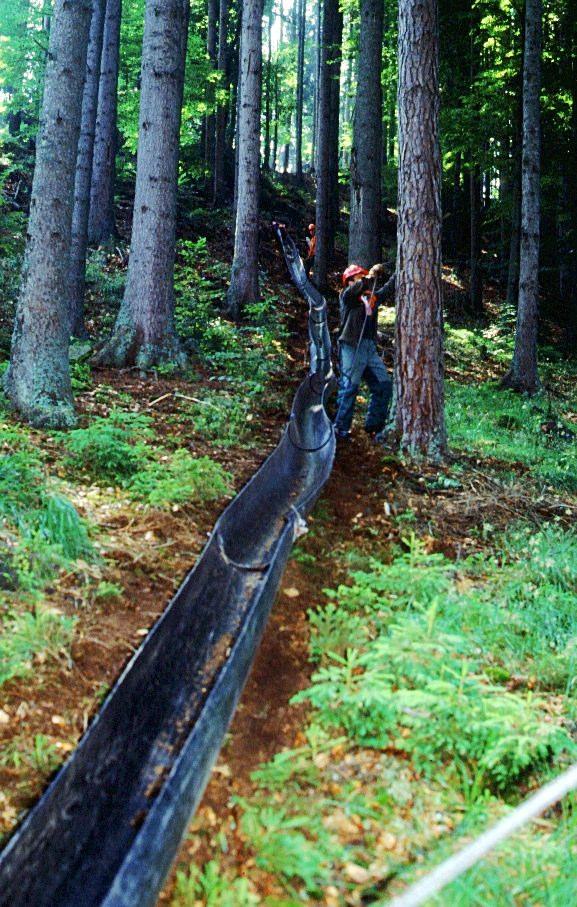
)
(224, 419)
(122, 448)
(40, 528)
(242, 358)
(40, 534)
(443, 691)
(487, 421)
(535, 867)
(208, 886)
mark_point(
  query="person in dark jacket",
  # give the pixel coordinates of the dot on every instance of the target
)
(358, 355)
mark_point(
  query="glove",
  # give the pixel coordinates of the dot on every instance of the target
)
(377, 271)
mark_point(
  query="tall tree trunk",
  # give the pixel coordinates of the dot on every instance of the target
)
(327, 203)
(515, 237)
(286, 151)
(210, 119)
(268, 96)
(323, 202)
(237, 115)
(276, 117)
(38, 378)
(144, 332)
(219, 183)
(232, 77)
(347, 103)
(392, 129)
(474, 175)
(523, 375)
(451, 246)
(366, 153)
(317, 83)
(476, 289)
(334, 131)
(419, 333)
(244, 287)
(79, 240)
(101, 224)
(302, 8)
(571, 171)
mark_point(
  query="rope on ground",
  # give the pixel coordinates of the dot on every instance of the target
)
(452, 868)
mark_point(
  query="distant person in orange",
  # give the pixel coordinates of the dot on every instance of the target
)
(312, 248)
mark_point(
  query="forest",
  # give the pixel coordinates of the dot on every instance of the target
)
(288, 320)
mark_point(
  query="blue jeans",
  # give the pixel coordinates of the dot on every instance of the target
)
(368, 366)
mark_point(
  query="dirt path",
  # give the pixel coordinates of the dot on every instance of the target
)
(265, 723)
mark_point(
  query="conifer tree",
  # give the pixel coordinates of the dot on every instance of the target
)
(419, 362)
(38, 378)
(144, 333)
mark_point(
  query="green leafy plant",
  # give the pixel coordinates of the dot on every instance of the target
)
(181, 478)
(289, 844)
(209, 887)
(44, 755)
(412, 675)
(112, 448)
(221, 418)
(24, 635)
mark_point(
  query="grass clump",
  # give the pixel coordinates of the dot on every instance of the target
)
(26, 635)
(40, 530)
(531, 868)
(113, 448)
(491, 422)
(416, 688)
(180, 479)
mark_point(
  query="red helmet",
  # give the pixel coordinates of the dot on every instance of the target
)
(354, 271)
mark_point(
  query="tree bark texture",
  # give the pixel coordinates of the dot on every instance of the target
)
(38, 378)
(523, 375)
(267, 95)
(101, 224)
(219, 183)
(515, 237)
(210, 120)
(236, 120)
(419, 332)
(571, 197)
(476, 288)
(244, 286)
(317, 82)
(302, 8)
(330, 13)
(84, 160)
(334, 132)
(365, 219)
(276, 117)
(144, 333)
